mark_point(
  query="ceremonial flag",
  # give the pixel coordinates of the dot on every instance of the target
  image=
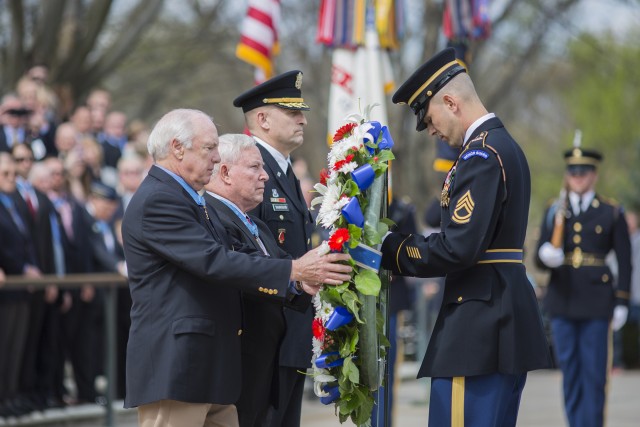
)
(361, 72)
(466, 19)
(259, 37)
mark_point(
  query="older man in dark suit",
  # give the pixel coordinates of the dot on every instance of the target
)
(237, 186)
(274, 113)
(183, 356)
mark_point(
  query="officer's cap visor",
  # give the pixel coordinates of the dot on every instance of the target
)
(580, 170)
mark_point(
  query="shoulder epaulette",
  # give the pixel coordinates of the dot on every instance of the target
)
(481, 137)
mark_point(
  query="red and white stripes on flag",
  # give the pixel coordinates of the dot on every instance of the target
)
(259, 37)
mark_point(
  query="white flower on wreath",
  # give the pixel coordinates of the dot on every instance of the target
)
(317, 346)
(326, 310)
(332, 204)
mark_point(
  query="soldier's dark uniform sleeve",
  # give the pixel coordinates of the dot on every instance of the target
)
(622, 248)
(468, 224)
(546, 230)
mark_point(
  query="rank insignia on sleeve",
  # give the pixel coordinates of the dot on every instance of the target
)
(413, 252)
(464, 209)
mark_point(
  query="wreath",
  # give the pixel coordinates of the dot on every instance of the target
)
(349, 343)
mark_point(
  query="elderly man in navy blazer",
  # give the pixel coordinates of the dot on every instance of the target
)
(183, 355)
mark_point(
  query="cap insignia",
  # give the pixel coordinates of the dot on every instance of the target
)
(577, 152)
(299, 81)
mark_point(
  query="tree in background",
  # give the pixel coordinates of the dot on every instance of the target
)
(604, 101)
(76, 40)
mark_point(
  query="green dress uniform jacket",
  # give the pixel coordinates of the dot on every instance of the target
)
(489, 320)
(583, 287)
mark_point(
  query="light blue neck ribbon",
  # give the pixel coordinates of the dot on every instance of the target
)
(253, 228)
(194, 195)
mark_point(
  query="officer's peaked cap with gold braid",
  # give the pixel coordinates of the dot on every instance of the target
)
(283, 91)
(580, 160)
(432, 76)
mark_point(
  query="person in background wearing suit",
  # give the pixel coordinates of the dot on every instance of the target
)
(17, 257)
(274, 114)
(43, 350)
(184, 353)
(13, 122)
(582, 301)
(489, 332)
(236, 187)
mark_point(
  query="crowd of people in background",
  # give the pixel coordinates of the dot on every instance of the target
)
(65, 181)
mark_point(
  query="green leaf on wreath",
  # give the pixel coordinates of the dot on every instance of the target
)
(355, 234)
(388, 221)
(332, 296)
(350, 370)
(385, 156)
(351, 188)
(382, 229)
(371, 236)
(350, 299)
(367, 282)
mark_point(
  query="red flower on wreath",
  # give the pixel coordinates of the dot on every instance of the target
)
(338, 238)
(324, 175)
(340, 163)
(318, 328)
(343, 131)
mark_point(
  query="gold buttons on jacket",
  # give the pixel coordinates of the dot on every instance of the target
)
(598, 229)
(577, 227)
(605, 278)
(459, 299)
(268, 291)
(239, 332)
(577, 239)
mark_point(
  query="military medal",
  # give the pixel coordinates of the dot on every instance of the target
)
(446, 188)
(281, 232)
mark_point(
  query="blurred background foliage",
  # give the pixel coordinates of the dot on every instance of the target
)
(549, 67)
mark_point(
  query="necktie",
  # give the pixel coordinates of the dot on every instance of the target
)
(30, 206)
(295, 184)
(8, 203)
(58, 251)
(580, 210)
(107, 236)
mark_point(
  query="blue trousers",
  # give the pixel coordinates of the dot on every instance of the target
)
(582, 349)
(479, 401)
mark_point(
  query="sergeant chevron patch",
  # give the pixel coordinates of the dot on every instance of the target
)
(464, 209)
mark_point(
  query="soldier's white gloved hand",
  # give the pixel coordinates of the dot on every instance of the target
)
(619, 317)
(551, 256)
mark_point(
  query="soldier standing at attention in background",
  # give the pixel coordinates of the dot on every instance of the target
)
(577, 233)
(274, 114)
(489, 333)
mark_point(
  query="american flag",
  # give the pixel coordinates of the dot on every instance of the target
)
(259, 37)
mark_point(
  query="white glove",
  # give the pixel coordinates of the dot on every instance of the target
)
(619, 317)
(551, 256)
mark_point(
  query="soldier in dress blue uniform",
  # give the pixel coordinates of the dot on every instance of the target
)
(578, 231)
(488, 333)
(274, 114)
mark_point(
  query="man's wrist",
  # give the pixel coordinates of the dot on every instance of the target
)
(295, 287)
